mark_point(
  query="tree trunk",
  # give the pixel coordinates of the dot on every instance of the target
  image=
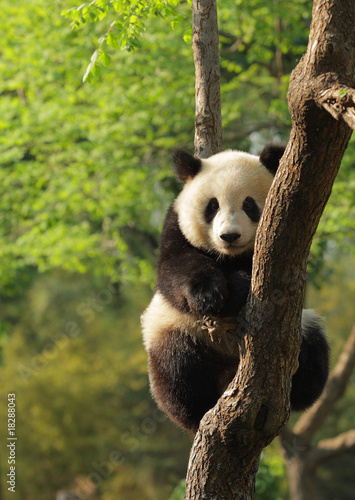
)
(255, 407)
(205, 46)
(301, 480)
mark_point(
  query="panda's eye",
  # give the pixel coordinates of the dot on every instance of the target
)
(211, 209)
(248, 204)
(251, 209)
(213, 204)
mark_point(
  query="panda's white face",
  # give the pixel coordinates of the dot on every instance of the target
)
(220, 207)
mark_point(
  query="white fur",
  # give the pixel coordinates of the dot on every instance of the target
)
(230, 177)
(161, 316)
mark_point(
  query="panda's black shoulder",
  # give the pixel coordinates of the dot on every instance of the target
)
(172, 239)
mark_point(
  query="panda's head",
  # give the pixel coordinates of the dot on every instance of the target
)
(223, 197)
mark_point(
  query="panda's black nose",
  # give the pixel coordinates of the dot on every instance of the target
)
(230, 237)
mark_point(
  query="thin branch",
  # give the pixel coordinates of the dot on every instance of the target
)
(312, 420)
(329, 448)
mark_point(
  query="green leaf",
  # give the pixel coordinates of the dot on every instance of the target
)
(96, 71)
(111, 40)
(105, 59)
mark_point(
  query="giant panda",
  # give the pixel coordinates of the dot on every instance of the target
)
(204, 271)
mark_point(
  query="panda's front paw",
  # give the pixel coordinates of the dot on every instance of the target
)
(207, 296)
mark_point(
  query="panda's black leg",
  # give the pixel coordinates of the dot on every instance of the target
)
(184, 375)
(310, 378)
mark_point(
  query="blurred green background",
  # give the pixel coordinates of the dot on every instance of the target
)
(85, 182)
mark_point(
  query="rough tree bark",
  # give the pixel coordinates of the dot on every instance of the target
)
(251, 413)
(302, 459)
(205, 46)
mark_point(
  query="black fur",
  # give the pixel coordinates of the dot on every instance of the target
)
(188, 374)
(309, 380)
(271, 155)
(211, 210)
(251, 209)
(186, 166)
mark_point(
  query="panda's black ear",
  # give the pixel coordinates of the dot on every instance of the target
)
(271, 155)
(186, 166)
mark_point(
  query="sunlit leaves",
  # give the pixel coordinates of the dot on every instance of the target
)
(85, 169)
(127, 27)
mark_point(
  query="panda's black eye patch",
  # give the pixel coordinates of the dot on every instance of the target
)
(251, 209)
(211, 209)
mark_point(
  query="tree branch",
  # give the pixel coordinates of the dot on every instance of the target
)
(329, 448)
(313, 418)
(205, 46)
(339, 101)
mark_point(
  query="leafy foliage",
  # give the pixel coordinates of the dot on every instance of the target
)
(179, 491)
(269, 484)
(126, 28)
(76, 364)
(84, 181)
